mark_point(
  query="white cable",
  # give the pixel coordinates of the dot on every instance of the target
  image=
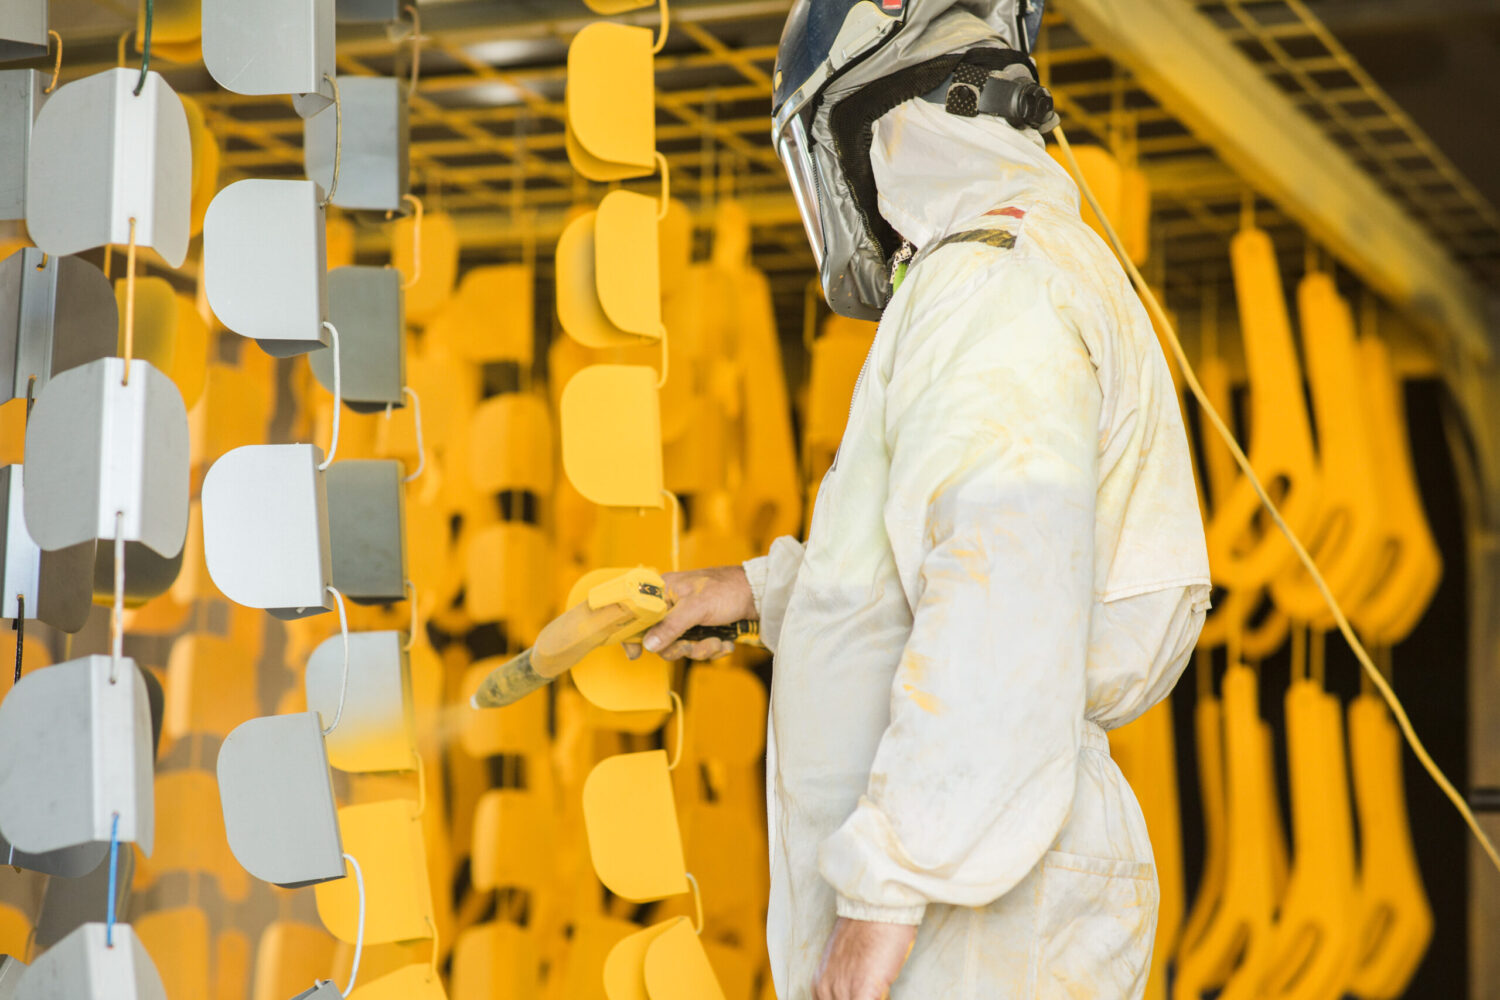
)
(343, 684)
(416, 411)
(117, 612)
(338, 394)
(359, 935)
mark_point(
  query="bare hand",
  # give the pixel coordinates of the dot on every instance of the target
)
(717, 596)
(862, 960)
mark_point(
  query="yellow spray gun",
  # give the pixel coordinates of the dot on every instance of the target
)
(617, 610)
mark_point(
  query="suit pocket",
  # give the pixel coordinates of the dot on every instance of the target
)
(1095, 924)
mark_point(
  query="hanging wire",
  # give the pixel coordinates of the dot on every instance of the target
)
(338, 394)
(114, 876)
(676, 506)
(432, 972)
(697, 903)
(338, 140)
(666, 184)
(145, 48)
(411, 635)
(421, 785)
(416, 241)
(666, 25)
(359, 935)
(56, 66)
(416, 413)
(20, 629)
(1190, 377)
(338, 713)
(416, 50)
(117, 611)
(681, 730)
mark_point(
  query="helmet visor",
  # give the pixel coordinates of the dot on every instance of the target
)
(796, 155)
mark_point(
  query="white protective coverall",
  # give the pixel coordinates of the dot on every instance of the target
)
(1006, 560)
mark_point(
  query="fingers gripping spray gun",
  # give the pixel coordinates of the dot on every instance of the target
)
(617, 610)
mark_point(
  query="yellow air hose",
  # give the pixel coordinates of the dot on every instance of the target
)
(1159, 316)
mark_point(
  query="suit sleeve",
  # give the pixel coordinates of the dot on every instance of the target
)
(771, 578)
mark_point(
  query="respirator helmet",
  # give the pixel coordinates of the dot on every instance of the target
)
(844, 63)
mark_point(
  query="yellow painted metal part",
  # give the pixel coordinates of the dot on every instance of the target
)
(675, 247)
(414, 982)
(611, 435)
(338, 241)
(428, 289)
(1281, 448)
(1231, 950)
(231, 970)
(513, 837)
(615, 683)
(155, 320)
(290, 957)
(189, 369)
(634, 840)
(178, 942)
(234, 409)
(1345, 539)
(611, 7)
(191, 837)
(15, 931)
(1410, 566)
(581, 284)
(1123, 192)
(13, 431)
(386, 838)
(677, 968)
(519, 729)
(211, 686)
(506, 574)
(491, 317)
(510, 445)
(611, 102)
(625, 968)
(1313, 937)
(1393, 918)
(205, 152)
(728, 718)
(593, 940)
(496, 960)
(627, 263)
(176, 29)
(1146, 753)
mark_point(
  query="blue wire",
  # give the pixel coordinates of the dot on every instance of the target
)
(114, 860)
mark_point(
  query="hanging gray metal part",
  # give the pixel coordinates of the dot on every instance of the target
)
(265, 529)
(377, 731)
(374, 170)
(324, 990)
(68, 862)
(11, 968)
(23, 29)
(56, 313)
(21, 97)
(101, 156)
(75, 753)
(272, 47)
(96, 447)
(265, 263)
(366, 305)
(367, 529)
(277, 796)
(55, 586)
(83, 964)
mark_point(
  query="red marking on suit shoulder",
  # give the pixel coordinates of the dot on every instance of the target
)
(1010, 211)
(895, 5)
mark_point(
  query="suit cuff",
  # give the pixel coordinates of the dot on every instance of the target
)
(853, 909)
(756, 572)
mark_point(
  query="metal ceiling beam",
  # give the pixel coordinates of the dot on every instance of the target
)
(1193, 71)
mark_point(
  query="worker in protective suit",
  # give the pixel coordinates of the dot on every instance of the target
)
(1006, 557)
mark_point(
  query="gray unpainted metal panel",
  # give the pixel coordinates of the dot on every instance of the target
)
(374, 168)
(54, 316)
(75, 751)
(54, 585)
(101, 156)
(21, 97)
(95, 447)
(367, 529)
(23, 29)
(265, 263)
(272, 47)
(10, 973)
(377, 731)
(68, 862)
(277, 795)
(324, 990)
(366, 306)
(265, 529)
(83, 965)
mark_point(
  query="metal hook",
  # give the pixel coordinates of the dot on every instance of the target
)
(56, 66)
(338, 140)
